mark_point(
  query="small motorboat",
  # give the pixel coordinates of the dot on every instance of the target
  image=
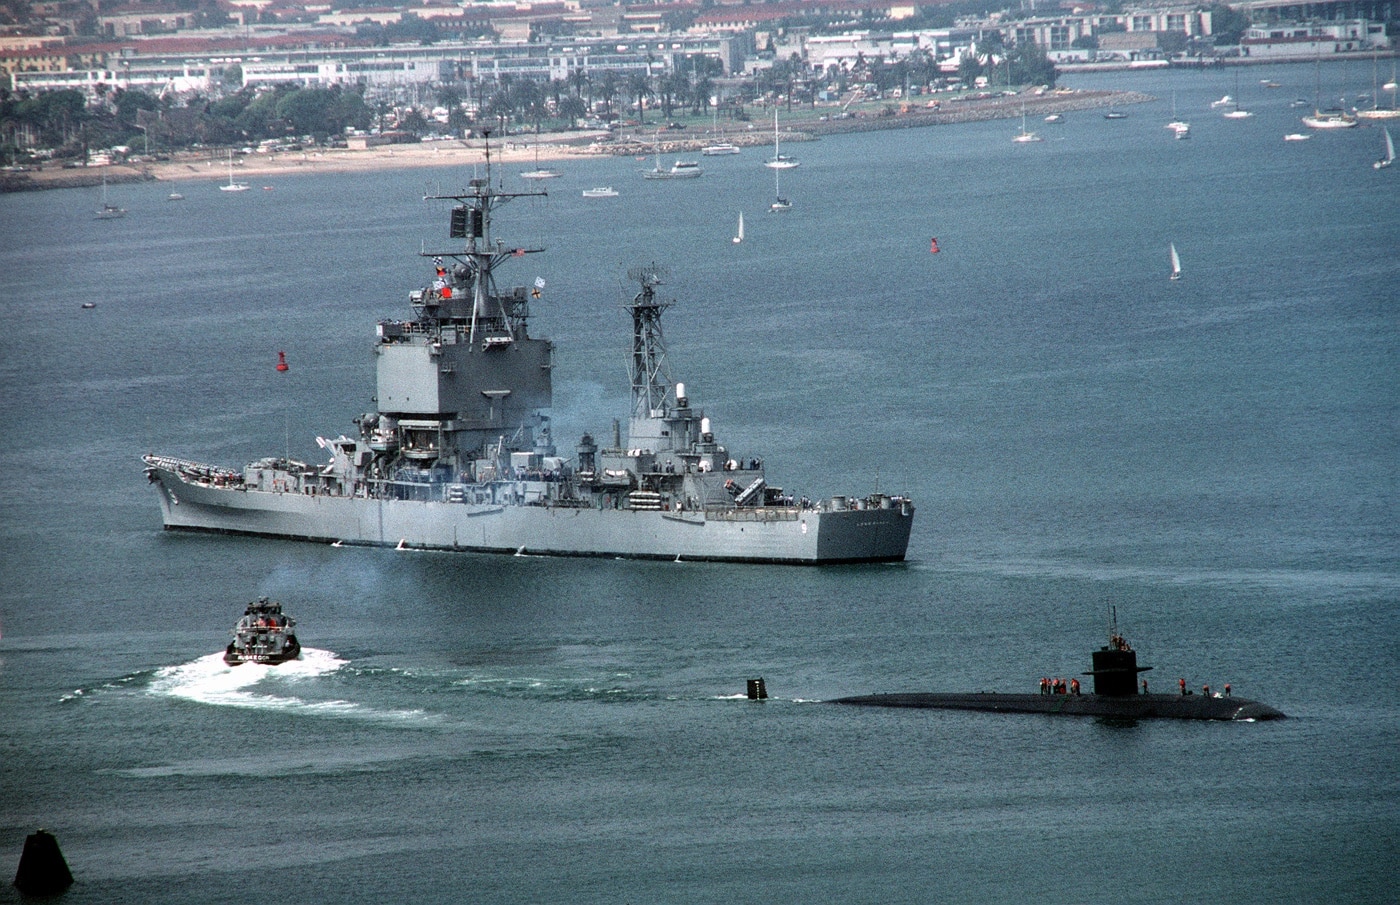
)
(719, 149)
(263, 635)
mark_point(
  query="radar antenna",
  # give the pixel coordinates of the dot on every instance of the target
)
(498, 315)
(651, 380)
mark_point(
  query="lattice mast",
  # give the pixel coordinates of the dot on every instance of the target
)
(651, 378)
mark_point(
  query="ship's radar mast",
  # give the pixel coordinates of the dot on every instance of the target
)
(491, 314)
(651, 378)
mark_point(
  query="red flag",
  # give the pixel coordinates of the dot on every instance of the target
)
(933, 246)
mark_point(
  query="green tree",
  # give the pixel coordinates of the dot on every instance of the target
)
(607, 89)
(639, 87)
(969, 68)
(1228, 24)
(129, 102)
(54, 115)
(572, 109)
(1030, 66)
(307, 110)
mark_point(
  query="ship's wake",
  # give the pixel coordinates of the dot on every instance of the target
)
(257, 686)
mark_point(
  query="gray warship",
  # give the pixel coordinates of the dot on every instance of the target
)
(459, 455)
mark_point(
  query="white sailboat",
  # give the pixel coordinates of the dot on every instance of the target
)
(1176, 263)
(1025, 135)
(778, 161)
(681, 169)
(233, 186)
(108, 211)
(1179, 127)
(718, 148)
(739, 237)
(780, 204)
(1326, 119)
(1237, 112)
(1389, 157)
(1377, 111)
(539, 172)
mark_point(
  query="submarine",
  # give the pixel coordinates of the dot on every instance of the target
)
(1115, 695)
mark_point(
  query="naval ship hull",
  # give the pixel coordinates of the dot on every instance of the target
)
(1129, 707)
(785, 535)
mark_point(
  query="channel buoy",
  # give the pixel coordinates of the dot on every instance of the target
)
(42, 868)
(282, 362)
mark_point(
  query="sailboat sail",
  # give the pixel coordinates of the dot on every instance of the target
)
(1389, 157)
(739, 237)
(1176, 263)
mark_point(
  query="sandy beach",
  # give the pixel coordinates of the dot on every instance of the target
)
(212, 165)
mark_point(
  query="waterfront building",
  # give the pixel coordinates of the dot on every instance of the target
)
(1311, 40)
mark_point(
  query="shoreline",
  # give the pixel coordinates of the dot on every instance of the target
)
(212, 165)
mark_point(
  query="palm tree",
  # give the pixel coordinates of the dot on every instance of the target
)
(526, 100)
(580, 82)
(700, 94)
(639, 86)
(608, 89)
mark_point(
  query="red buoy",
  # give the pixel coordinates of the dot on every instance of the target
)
(282, 361)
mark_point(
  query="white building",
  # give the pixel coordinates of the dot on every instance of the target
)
(1309, 40)
(153, 77)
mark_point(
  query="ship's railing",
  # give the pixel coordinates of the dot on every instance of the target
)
(765, 514)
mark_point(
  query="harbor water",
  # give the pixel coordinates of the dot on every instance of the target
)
(1215, 458)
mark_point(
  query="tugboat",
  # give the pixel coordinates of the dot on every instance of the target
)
(460, 455)
(1115, 695)
(263, 635)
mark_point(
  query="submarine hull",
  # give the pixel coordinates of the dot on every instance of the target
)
(1130, 707)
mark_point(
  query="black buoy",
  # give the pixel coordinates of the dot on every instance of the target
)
(757, 690)
(42, 870)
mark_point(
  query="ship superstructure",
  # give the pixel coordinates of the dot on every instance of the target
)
(459, 454)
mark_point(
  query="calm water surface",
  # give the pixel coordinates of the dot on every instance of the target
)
(1216, 457)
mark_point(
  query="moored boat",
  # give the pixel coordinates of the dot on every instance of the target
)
(108, 210)
(779, 161)
(681, 169)
(1329, 119)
